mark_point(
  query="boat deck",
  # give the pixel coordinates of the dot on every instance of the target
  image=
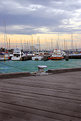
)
(54, 97)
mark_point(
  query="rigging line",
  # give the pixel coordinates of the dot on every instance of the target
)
(12, 66)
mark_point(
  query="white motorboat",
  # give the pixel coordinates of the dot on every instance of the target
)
(17, 55)
(37, 56)
(57, 55)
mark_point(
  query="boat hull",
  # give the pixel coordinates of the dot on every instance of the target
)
(37, 58)
(75, 56)
(15, 59)
(55, 58)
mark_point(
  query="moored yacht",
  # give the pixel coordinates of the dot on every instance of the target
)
(57, 55)
(75, 55)
(37, 56)
(18, 55)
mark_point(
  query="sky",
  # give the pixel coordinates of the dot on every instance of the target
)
(27, 17)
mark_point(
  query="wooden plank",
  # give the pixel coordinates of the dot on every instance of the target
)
(17, 116)
(48, 92)
(43, 84)
(26, 87)
(45, 79)
(37, 96)
(47, 98)
(19, 111)
(46, 85)
(43, 104)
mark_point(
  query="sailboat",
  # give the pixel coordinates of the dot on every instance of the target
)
(74, 54)
(57, 53)
(37, 55)
(4, 55)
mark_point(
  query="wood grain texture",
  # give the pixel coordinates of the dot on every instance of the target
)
(41, 98)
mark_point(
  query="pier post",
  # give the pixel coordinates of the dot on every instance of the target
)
(41, 68)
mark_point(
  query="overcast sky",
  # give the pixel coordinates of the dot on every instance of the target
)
(40, 16)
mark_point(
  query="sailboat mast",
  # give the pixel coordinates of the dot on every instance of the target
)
(38, 43)
(32, 42)
(51, 45)
(58, 41)
(21, 46)
(72, 41)
(5, 36)
(27, 45)
(9, 43)
(64, 45)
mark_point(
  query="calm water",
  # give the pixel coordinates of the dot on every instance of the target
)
(31, 66)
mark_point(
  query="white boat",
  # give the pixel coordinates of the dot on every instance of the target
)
(37, 57)
(4, 56)
(75, 56)
(57, 55)
(17, 55)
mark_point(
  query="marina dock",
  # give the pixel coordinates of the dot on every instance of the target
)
(52, 97)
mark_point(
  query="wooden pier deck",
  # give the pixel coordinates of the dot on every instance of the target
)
(55, 97)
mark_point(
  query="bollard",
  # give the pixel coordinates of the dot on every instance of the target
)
(41, 68)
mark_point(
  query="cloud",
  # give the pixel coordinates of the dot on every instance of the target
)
(42, 15)
(16, 8)
(42, 30)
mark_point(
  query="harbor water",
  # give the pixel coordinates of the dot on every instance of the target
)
(32, 66)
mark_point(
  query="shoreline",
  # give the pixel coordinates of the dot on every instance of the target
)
(25, 74)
